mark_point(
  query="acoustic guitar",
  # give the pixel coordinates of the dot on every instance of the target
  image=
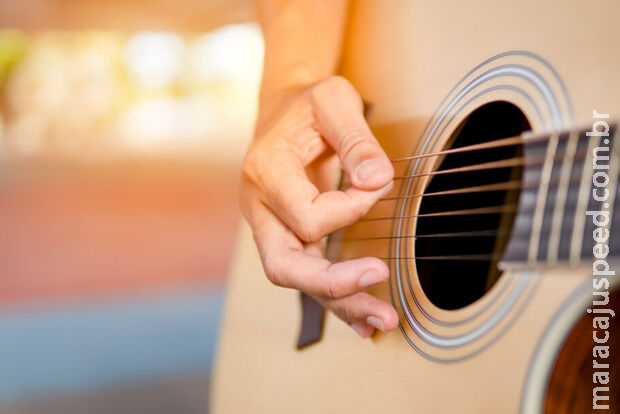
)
(502, 231)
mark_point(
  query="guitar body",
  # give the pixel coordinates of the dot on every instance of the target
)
(425, 68)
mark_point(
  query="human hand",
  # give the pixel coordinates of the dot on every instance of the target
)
(290, 168)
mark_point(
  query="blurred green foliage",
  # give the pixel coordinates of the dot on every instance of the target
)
(13, 45)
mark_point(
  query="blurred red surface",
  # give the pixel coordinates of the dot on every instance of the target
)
(76, 230)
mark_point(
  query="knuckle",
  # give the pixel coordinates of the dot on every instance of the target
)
(331, 291)
(306, 227)
(308, 235)
(255, 171)
(336, 81)
(338, 307)
(249, 169)
(336, 290)
(331, 85)
(273, 272)
(347, 313)
(359, 210)
(257, 159)
(334, 287)
(339, 83)
(354, 141)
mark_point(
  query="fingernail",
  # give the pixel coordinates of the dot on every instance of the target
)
(371, 277)
(371, 168)
(359, 329)
(376, 322)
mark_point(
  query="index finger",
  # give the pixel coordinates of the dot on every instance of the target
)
(287, 264)
(308, 212)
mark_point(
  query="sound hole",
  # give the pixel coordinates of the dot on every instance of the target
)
(459, 253)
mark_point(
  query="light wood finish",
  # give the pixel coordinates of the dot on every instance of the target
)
(405, 57)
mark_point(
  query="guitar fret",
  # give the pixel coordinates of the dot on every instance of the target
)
(582, 204)
(542, 198)
(570, 208)
(560, 201)
(551, 198)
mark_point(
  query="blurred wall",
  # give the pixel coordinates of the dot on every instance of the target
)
(122, 129)
(120, 155)
(178, 15)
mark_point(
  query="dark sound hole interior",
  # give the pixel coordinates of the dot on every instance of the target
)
(465, 267)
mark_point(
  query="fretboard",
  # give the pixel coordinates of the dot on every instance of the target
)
(554, 223)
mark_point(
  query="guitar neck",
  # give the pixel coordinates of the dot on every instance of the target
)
(570, 185)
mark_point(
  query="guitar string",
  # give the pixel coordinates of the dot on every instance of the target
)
(460, 212)
(502, 185)
(507, 185)
(455, 235)
(513, 184)
(503, 142)
(475, 233)
(492, 165)
(474, 257)
(500, 164)
(506, 208)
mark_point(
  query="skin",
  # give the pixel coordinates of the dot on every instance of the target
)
(311, 124)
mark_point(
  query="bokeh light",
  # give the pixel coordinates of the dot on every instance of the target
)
(98, 95)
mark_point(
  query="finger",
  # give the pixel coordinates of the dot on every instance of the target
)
(362, 329)
(339, 112)
(324, 171)
(288, 264)
(314, 249)
(309, 213)
(364, 309)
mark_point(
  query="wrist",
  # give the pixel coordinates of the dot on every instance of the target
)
(272, 98)
(292, 76)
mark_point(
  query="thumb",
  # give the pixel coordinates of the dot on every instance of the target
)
(339, 113)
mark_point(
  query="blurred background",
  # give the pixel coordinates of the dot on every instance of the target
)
(122, 128)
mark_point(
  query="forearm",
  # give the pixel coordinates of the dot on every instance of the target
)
(303, 39)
